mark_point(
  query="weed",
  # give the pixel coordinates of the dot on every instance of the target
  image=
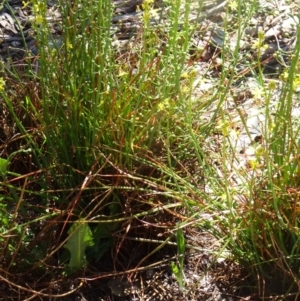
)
(110, 140)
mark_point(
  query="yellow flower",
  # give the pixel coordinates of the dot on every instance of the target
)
(153, 13)
(271, 125)
(253, 164)
(265, 46)
(296, 81)
(256, 44)
(284, 76)
(122, 72)
(2, 84)
(39, 19)
(259, 42)
(185, 90)
(149, 2)
(261, 35)
(272, 85)
(164, 105)
(184, 75)
(224, 127)
(233, 4)
(39, 7)
(258, 93)
(25, 4)
(259, 152)
(69, 45)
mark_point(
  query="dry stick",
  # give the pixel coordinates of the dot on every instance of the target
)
(22, 288)
(74, 202)
(161, 263)
(215, 10)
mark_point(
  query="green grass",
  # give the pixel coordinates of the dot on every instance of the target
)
(110, 137)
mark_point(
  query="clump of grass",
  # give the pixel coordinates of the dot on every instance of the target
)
(111, 136)
(92, 112)
(253, 204)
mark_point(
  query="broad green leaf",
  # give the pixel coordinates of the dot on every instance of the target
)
(3, 166)
(178, 269)
(175, 269)
(80, 238)
(180, 246)
(103, 240)
(178, 273)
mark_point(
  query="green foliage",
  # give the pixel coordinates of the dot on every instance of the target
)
(90, 117)
(253, 201)
(103, 241)
(102, 233)
(109, 127)
(177, 269)
(80, 237)
(3, 167)
(4, 217)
